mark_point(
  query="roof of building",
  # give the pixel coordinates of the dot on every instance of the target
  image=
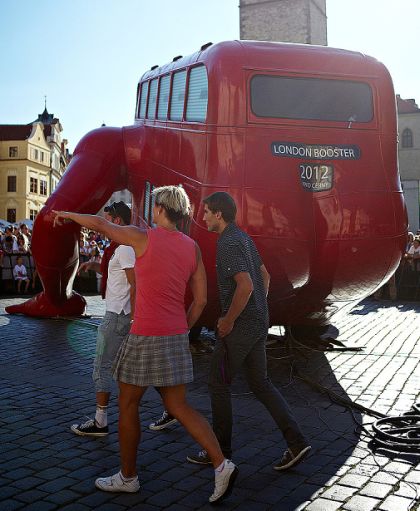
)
(406, 106)
(46, 118)
(23, 131)
(15, 131)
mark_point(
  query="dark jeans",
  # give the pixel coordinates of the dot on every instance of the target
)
(246, 349)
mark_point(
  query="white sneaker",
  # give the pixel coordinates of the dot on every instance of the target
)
(116, 483)
(223, 482)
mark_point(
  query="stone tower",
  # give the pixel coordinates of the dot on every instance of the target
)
(292, 21)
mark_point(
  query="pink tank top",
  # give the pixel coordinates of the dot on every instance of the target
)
(162, 275)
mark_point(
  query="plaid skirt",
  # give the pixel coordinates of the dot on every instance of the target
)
(152, 360)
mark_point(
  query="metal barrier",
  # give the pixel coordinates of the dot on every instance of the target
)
(87, 282)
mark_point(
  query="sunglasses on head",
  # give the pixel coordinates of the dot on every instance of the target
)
(112, 209)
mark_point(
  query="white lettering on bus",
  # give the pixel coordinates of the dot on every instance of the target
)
(298, 150)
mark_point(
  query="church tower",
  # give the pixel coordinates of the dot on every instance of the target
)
(292, 21)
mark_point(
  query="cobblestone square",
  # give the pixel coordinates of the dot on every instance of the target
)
(45, 374)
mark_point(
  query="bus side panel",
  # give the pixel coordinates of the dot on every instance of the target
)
(193, 153)
(225, 158)
(276, 219)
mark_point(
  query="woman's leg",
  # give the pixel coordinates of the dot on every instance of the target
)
(129, 426)
(174, 399)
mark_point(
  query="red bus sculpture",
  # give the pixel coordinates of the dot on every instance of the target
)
(303, 137)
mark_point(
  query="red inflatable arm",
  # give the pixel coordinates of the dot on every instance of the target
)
(97, 169)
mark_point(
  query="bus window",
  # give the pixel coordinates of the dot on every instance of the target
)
(138, 101)
(149, 203)
(178, 95)
(311, 99)
(147, 196)
(143, 99)
(197, 95)
(151, 109)
(162, 112)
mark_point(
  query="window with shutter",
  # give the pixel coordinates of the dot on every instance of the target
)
(197, 95)
(178, 95)
(165, 82)
(151, 110)
(143, 99)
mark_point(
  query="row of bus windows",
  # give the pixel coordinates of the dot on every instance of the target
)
(158, 94)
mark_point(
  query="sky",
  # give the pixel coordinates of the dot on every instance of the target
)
(86, 56)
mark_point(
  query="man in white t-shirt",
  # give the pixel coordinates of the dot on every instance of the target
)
(118, 286)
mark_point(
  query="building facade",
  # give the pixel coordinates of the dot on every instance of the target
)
(409, 157)
(290, 21)
(33, 157)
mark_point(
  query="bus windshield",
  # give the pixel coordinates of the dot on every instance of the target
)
(311, 99)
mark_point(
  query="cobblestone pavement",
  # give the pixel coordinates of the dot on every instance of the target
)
(45, 375)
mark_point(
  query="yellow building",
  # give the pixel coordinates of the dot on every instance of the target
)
(32, 160)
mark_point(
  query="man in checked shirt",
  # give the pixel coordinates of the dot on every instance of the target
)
(243, 283)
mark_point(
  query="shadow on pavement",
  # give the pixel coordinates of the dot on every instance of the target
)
(45, 374)
(369, 306)
(331, 428)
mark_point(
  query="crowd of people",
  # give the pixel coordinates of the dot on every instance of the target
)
(15, 245)
(15, 254)
(15, 240)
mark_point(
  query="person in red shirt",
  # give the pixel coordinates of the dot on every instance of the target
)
(156, 353)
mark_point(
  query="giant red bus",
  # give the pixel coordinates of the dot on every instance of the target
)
(303, 137)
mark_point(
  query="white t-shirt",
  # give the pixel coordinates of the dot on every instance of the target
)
(117, 295)
(19, 272)
(413, 250)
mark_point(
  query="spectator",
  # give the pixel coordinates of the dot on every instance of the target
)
(96, 257)
(91, 246)
(8, 244)
(83, 248)
(101, 247)
(20, 274)
(10, 238)
(413, 254)
(25, 231)
(22, 244)
(410, 238)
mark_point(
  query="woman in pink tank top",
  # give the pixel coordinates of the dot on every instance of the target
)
(156, 353)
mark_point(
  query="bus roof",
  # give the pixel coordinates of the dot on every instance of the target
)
(288, 57)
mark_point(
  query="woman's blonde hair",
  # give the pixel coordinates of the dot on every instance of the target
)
(174, 200)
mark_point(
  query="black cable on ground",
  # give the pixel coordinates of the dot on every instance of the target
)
(336, 397)
(397, 433)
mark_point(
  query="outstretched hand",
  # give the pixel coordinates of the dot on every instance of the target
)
(60, 217)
